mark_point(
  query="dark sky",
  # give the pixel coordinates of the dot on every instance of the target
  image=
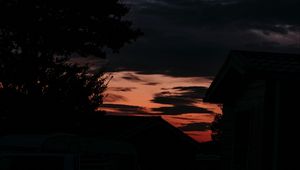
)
(193, 37)
(185, 43)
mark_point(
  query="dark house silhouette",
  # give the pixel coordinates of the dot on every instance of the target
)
(260, 94)
(103, 142)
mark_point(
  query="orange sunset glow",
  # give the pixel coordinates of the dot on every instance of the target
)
(149, 84)
(134, 94)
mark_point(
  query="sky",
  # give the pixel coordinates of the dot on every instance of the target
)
(178, 100)
(167, 71)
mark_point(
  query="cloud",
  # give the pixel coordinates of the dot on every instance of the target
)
(179, 100)
(135, 78)
(195, 92)
(199, 126)
(151, 83)
(182, 100)
(181, 109)
(123, 109)
(132, 77)
(180, 95)
(122, 89)
(274, 16)
(193, 37)
(173, 100)
(110, 97)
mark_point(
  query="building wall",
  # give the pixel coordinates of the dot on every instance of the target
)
(244, 128)
(286, 126)
(262, 126)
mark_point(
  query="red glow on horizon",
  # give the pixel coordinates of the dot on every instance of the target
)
(137, 90)
(200, 136)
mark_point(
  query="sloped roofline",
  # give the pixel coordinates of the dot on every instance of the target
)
(218, 78)
(156, 120)
(235, 62)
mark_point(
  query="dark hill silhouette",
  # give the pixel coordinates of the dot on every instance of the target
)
(156, 143)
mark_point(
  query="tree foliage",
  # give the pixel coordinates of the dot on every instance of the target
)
(37, 40)
(217, 128)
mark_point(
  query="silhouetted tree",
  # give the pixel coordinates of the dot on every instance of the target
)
(217, 128)
(37, 39)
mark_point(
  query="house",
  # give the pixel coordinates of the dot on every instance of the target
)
(103, 142)
(260, 96)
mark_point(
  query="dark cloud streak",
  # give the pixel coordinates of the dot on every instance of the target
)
(122, 89)
(182, 100)
(135, 78)
(110, 97)
(180, 95)
(123, 109)
(182, 109)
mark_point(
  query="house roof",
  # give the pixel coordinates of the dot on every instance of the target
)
(267, 62)
(243, 65)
